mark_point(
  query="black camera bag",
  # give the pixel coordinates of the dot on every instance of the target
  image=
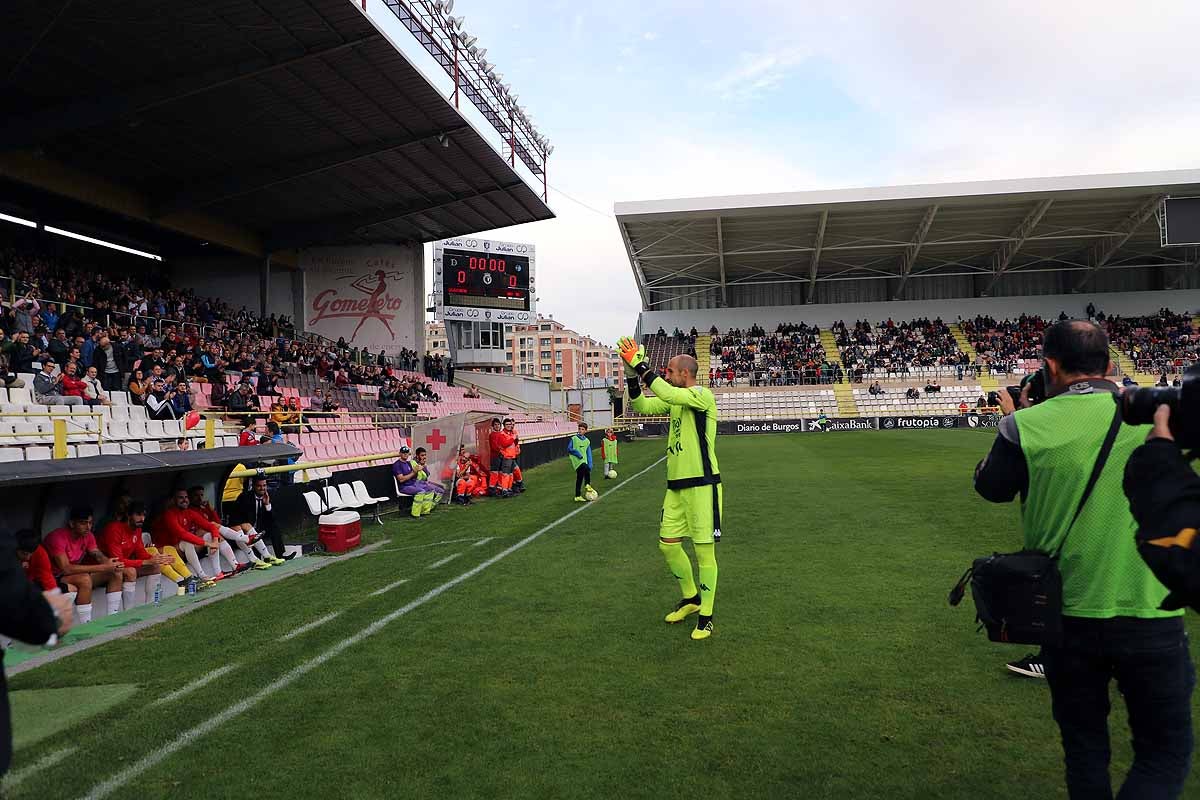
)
(1018, 596)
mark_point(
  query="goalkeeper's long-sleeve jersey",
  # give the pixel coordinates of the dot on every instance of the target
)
(692, 441)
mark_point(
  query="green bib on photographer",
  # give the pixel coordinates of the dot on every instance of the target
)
(1103, 575)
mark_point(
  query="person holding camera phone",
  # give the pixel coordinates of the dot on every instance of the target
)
(1113, 626)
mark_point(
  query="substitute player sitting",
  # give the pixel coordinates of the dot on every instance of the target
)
(692, 507)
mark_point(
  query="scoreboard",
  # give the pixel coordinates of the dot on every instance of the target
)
(482, 280)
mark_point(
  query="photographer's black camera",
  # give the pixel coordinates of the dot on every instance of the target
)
(1036, 381)
(1138, 407)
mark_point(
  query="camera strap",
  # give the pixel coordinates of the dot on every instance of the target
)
(1101, 459)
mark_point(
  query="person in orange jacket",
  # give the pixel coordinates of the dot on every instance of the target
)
(510, 453)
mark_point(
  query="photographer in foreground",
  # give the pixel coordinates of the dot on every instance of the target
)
(1112, 623)
(1164, 496)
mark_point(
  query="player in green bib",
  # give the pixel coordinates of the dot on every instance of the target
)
(692, 506)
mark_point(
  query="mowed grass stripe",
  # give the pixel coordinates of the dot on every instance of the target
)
(123, 777)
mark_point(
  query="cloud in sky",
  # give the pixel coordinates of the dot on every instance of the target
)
(757, 71)
(778, 95)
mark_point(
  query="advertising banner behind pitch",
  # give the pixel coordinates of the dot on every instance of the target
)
(760, 426)
(918, 423)
(372, 297)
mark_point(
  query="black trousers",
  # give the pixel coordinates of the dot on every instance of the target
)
(1150, 661)
(583, 476)
(267, 520)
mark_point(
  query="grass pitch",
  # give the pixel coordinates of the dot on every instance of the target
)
(836, 669)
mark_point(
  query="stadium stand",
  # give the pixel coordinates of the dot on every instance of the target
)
(331, 400)
(1166, 342)
(919, 347)
(792, 355)
(1011, 346)
(661, 348)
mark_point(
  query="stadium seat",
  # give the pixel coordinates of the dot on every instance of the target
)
(11, 454)
(38, 454)
(365, 499)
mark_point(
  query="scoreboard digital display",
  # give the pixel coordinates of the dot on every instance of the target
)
(484, 280)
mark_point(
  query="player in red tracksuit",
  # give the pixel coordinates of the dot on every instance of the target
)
(35, 560)
(179, 526)
(248, 541)
(122, 539)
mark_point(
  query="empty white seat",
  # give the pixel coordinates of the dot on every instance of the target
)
(150, 446)
(85, 450)
(334, 499)
(11, 454)
(110, 449)
(37, 454)
(23, 395)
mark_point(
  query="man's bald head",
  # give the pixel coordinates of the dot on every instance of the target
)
(681, 371)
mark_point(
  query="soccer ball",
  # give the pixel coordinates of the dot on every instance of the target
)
(590, 494)
(612, 473)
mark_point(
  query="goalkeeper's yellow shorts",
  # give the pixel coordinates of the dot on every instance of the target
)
(693, 513)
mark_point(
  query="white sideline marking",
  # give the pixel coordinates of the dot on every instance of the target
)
(107, 787)
(17, 776)
(316, 623)
(188, 688)
(482, 542)
(422, 546)
(443, 562)
(388, 588)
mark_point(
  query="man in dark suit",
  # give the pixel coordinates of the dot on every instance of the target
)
(29, 615)
(254, 506)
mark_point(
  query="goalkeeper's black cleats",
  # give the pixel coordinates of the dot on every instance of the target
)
(686, 607)
(704, 627)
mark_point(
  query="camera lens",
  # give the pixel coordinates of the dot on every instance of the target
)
(1138, 405)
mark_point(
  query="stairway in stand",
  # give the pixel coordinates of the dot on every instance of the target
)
(703, 357)
(844, 393)
(1126, 367)
(987, 382)
(829, 342)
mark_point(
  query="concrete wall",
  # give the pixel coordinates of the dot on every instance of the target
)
(231, 278)
(1124, 303)
(236, 280)
(594, 405)
(528, 390)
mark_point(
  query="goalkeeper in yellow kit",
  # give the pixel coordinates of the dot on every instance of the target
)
(692, 507)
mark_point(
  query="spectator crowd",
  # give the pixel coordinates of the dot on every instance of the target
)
(792, 355)
(895, 347)
(102, 333)
(1164, 342)
(1001, 344)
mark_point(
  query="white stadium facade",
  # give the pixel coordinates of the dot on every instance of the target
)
(1042, 246)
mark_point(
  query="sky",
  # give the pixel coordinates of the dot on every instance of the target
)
(683, 98)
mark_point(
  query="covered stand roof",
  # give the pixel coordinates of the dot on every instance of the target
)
(265, 126)
(23, 474)
(986, 230)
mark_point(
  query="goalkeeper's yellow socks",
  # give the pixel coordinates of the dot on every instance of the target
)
(680, 566)
(706, 556)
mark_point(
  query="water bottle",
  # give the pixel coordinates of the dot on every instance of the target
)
(191, 587)
(158, 593)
